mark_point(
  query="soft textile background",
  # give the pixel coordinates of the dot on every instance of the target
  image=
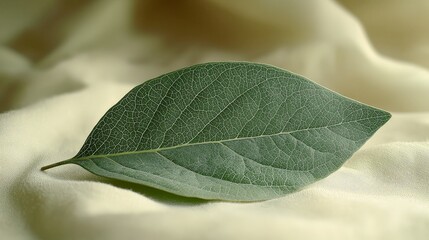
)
(64, 63)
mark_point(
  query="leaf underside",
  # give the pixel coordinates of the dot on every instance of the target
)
(230, 131)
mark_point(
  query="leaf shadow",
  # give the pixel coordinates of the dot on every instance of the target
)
(149, 192)
(76, 173)
(156, 194)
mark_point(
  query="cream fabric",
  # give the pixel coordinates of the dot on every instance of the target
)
(64, 63)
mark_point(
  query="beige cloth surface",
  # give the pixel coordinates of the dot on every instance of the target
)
(64, 63)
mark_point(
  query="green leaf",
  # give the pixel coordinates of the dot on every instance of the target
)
(231, 131)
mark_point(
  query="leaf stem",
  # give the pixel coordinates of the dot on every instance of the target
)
(55, 165)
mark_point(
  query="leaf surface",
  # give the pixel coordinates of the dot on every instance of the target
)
(229, 131)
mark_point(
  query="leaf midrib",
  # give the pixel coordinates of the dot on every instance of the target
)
(219, 142)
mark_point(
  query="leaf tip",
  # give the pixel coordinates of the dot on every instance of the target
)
(386, 115)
